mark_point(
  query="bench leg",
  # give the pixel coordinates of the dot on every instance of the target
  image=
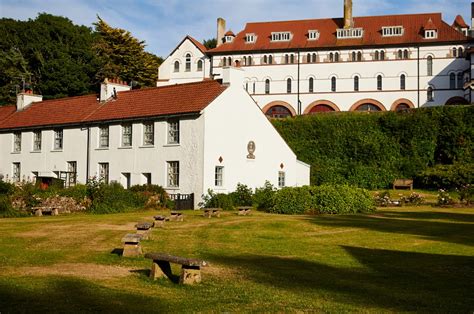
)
(38, 213)
(159, 224)
(145, 234)
(132, 250)
(54, 212)
(190, 275)
(180, 218)
(207, 215)
(160, 269)
(241, 213)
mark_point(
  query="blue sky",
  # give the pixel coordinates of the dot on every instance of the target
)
(163, 23)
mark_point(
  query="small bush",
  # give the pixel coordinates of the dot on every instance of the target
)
(466, 194)
(113, 198)
(213, 200)
(77, 192)
(383, 199)
(155, 194)
(242, 195)
(6, 208)
(447, 176)
(341, 199)
(414, 199)
(6, 188)
(291, 201)
(444, 198)
(263, 199)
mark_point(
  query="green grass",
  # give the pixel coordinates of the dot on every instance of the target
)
(395, 260)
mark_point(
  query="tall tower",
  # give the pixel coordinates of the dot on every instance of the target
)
(348, 22)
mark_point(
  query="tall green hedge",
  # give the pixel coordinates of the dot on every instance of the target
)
(371, 150)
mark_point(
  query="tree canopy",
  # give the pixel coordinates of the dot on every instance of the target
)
(60, 59)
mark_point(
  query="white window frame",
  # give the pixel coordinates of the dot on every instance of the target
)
(281, 36)
(172, 170)
(127, 137)
(431, 34)
(344, 33)
(104, 139)
(104, 171)
(37, 141)
(17, 142)
(250, 38)
(219, 176)
(313, 35)
(58, 139)
(16, 171)
(392, 31)
(148, 134)
(173, 132)
(281, 179)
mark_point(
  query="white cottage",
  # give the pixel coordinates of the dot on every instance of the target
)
(187, 138)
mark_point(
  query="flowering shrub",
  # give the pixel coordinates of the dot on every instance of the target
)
(466, 194)
(414, 199)
(444, 198)
(383, 199)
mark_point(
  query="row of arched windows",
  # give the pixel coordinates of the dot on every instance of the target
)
(187, 64)
(458, 52)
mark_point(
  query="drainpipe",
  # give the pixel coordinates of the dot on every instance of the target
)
(418, 76)
(298, 81)
(88, 154)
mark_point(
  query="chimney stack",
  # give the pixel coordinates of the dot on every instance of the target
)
(26, 98)
(348, 22)
(472, 16)
(220, 31)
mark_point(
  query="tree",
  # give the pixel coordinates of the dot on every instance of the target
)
(210, 43)
(123, 56)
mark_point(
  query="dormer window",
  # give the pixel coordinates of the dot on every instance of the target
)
(391, 31)
(346, 33)
(281, 36)
(228, 39)
(250, 38)
(313, 35)
(431, 34)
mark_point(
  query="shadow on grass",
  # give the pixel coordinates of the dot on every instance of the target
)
(116, 251)
(449, 227)
(393, 280)
(58, 295)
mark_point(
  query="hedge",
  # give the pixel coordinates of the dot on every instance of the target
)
(371, 150)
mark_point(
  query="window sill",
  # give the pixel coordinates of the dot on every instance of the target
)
(15, 153)
(35, 152)
(173, 188)
(147, 146)
(126, 147)
(56, 150)
(171, 145)
(102, 148)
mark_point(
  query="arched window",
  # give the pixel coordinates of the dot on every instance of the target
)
(331, 57)
(253, 88)
(402, 107)
(376, 57)
(245, 60)
(333, 84)
(311, 85)
(224, 63)
(452, 81)
(460, 80)
(455, 52)
(249, 60)
(379, 82)
(359, 56)
(402, 82)
(188, 63)
(288, 86)
(292, 58)
(353, 56)
(405, 54)
(199, 66)
(278, 112)
(460, 52)
(270, 59)
(336, 57)
(308, 58)
(429, 94)
(229, 61)
(382, 55)
(265, 60)
(247, 86)
(368, 107)
(314, 58)
(400, 54)
(356, 83)
(429, 65)
(176, 66)
(267, 86)
(287, 59)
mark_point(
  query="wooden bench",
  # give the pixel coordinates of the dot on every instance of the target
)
(143, 228)
(131, 245)
(190, 270)
(175, 216)
(39, 211)
(209, 212)
(244, 210)
(159, 221)
(403, 183)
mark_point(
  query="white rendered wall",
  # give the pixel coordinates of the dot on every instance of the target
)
(233, 120)
(167, 75)
(391, 69)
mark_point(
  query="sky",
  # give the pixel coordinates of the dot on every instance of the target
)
(162, 24)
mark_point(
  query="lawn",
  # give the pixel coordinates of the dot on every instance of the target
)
(396, 259)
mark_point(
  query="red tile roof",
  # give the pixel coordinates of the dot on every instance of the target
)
(149, 102)
(197, 43)
(229, 33)
(429, 25)
(5, 111)
(459, 22)
(413, 25)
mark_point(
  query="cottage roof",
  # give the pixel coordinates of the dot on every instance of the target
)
(135, 104)
(459, 22)
(413, 24)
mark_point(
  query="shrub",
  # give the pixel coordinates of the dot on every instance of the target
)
(341, 199)
(444, 198)
(291, 201)
(6, 188)
(447, 176)
(466, 194)
(213, 200)
(242, 195)
(383, 199)
(155, 194)
(113, 198)
(6, 208)
(263, 199)
(77, 192)
(413, 199)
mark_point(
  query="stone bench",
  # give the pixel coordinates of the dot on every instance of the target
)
(244, 210)
(209, 212)
(403, 183)
(175, 216)
(39, 211)
(159, 221)
(131, 245)
(190, 270)
(143, 228)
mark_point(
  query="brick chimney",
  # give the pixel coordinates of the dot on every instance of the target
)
(26, 98)
(348, 22)
(472, 18)
(110, 88)
(220, 31)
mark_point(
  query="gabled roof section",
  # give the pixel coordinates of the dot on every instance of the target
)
(413, 25)
(142, 103)
(459, 22)
(6, 111)
(195, 42)
(430, 25)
